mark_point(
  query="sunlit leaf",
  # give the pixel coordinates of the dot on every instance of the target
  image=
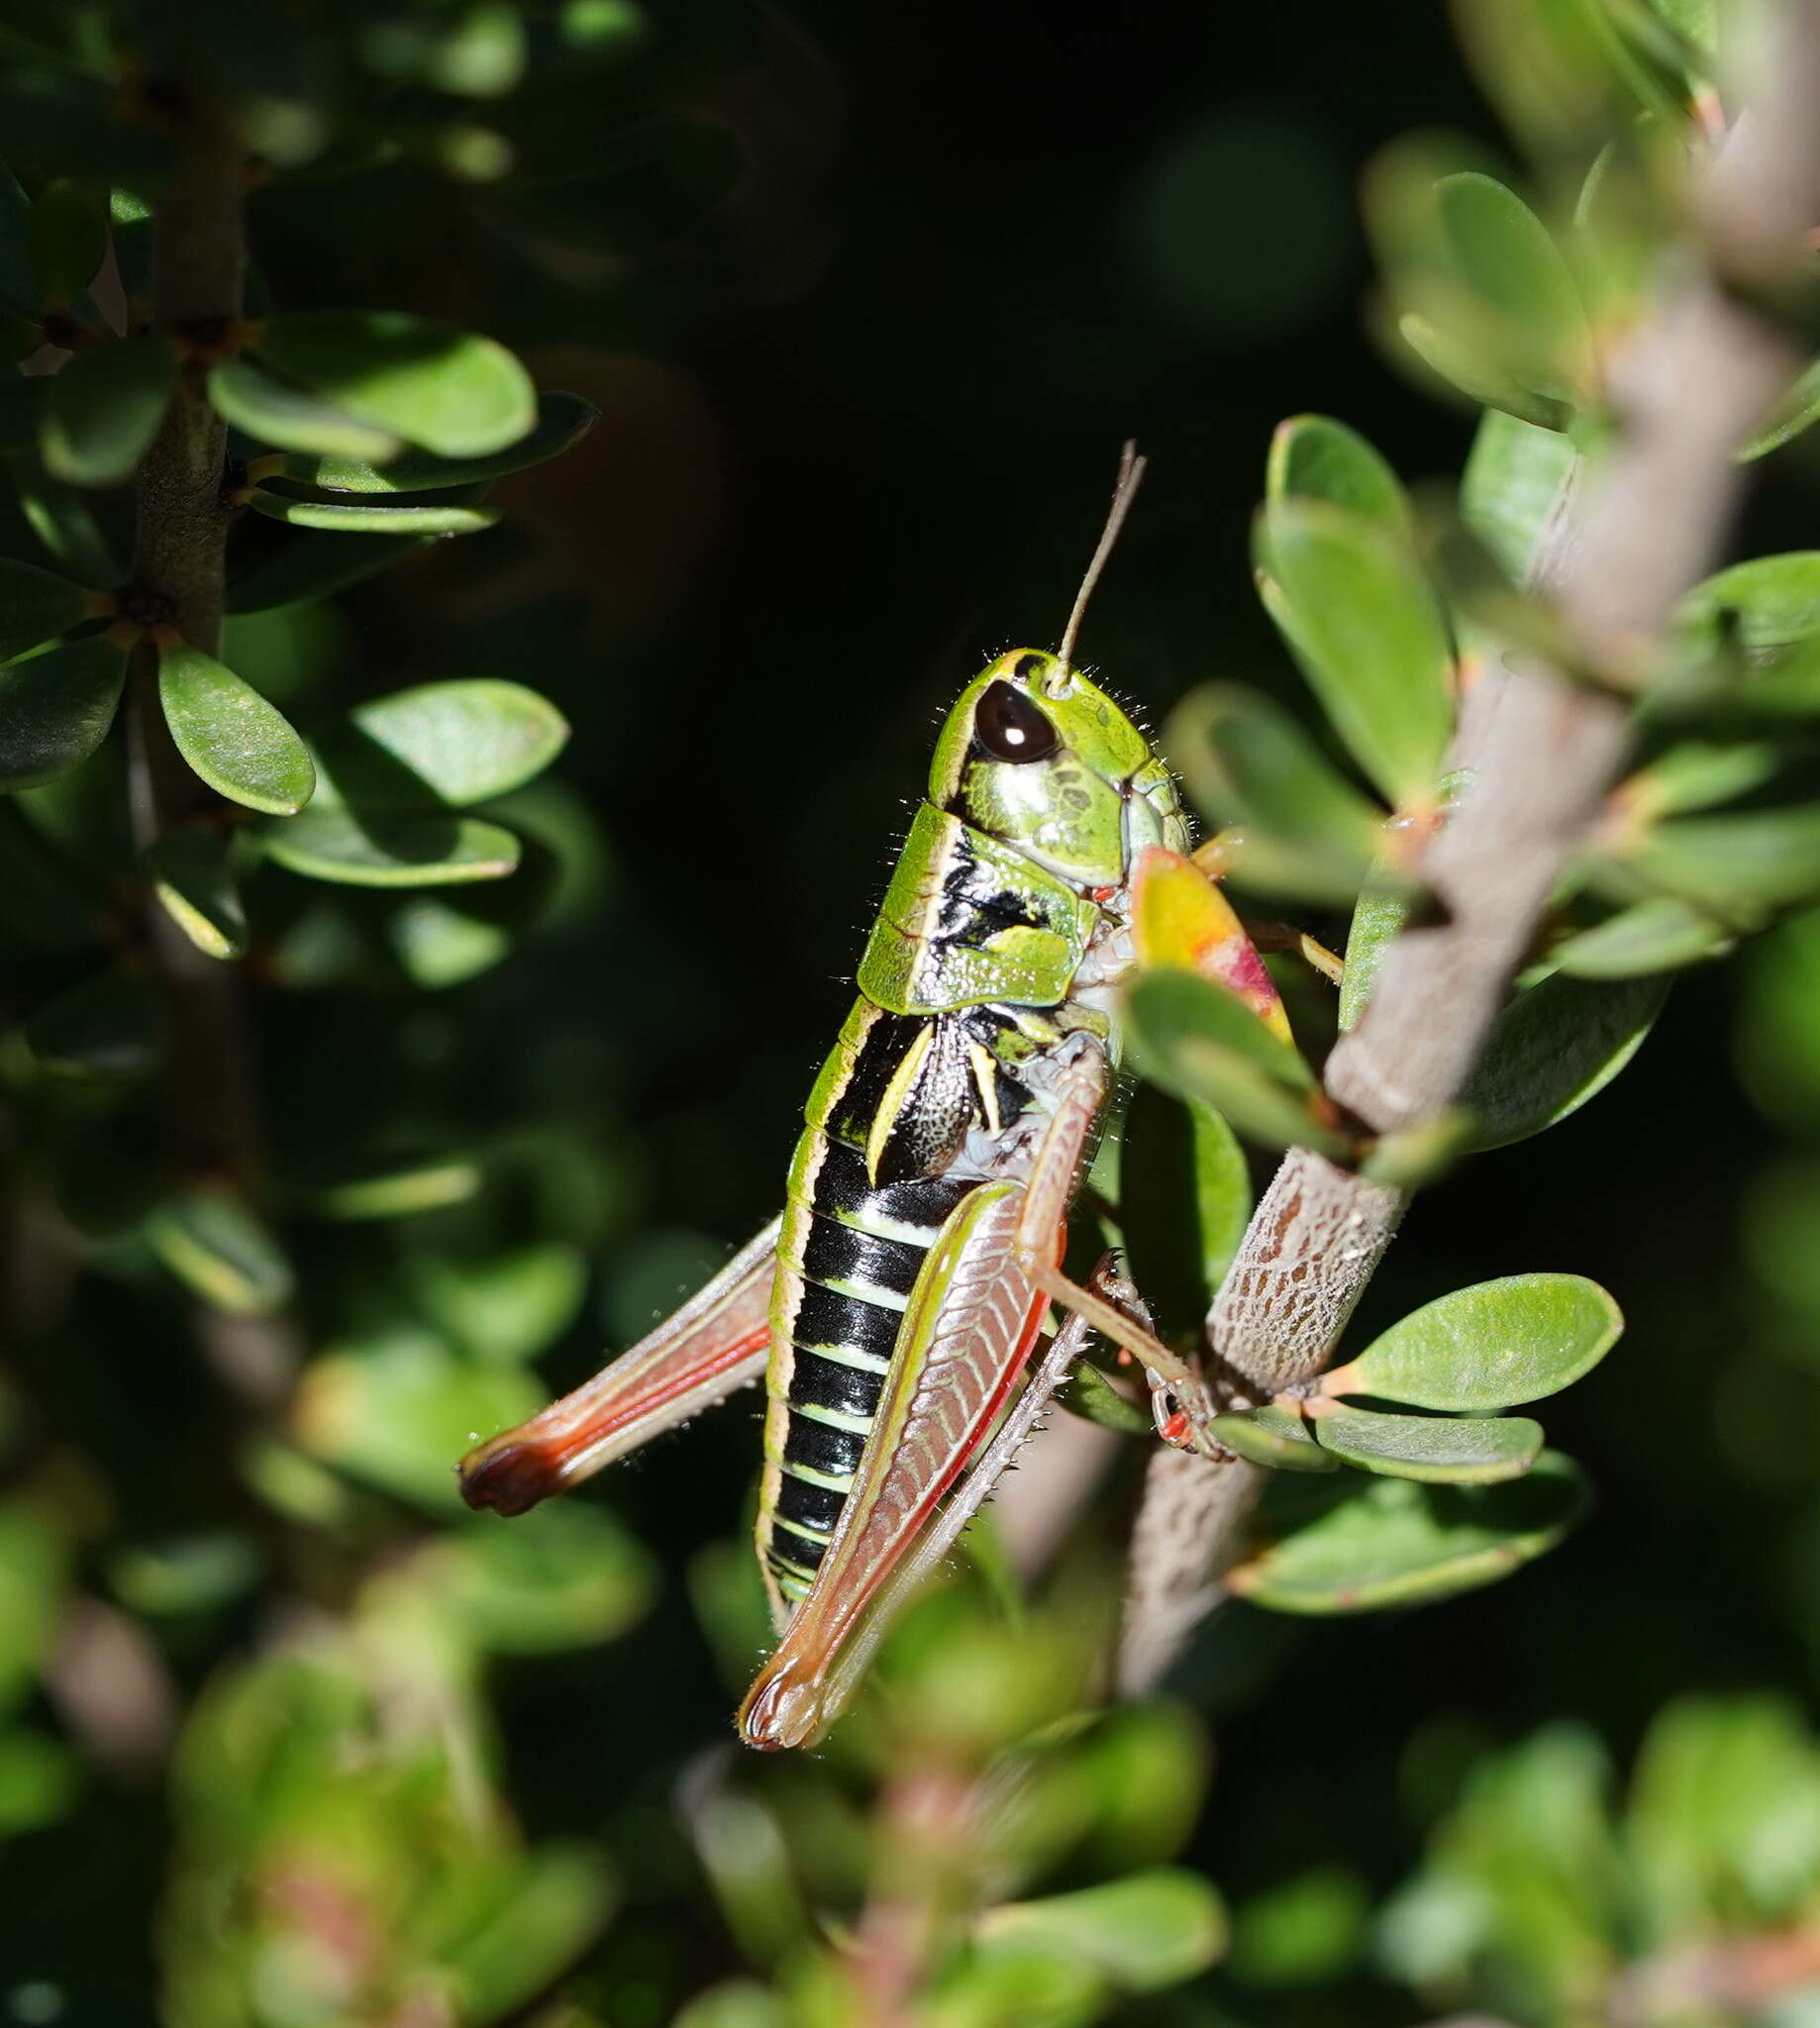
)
(213, 1241)
(395, 1188)
(1368, 634)
(1662, 935)
(278, 411)
(240, 745)
(510, 1305)
(192, 875)
(1792, 414)
(1442, 1449)
(1148, 1931)
(1247, 762)
(1315, 457)
(62, 522)
(455, 513)
(1200, 1043)
(389, 851)
(446, 390)
(563, 420)
(1355, 1544)
(1279, 1438)
(1514, 484)
(1088, 1394)
(1492, 1345)
(55, 708)
(442, 745)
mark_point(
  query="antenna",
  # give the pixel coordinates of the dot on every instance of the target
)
(1131, 471)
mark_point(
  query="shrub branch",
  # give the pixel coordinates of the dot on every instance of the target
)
(1701, 369)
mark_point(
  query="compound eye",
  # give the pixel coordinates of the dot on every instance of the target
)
(1011, 728)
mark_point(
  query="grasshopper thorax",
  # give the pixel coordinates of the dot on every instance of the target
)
(1042, 758)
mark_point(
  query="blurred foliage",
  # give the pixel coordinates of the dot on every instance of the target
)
(663, 395)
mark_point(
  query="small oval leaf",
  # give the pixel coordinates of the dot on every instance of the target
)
(1315, 457)
(1443, 1450)
(1277, 1438)
(192, 875)
(563, 420)
(1663, 935)
(55, 708)
(1492, 1345)
(1088, 1393)
(1367, 632)
(214, 1242)
(277, 411)
(1515, 483)
(448, 391)
(442, 745)
(242, 746)
(1148, 1931)
(103, 409)
(1354, 1544)
(343, 512)
(390, 851)
(1558, 1044)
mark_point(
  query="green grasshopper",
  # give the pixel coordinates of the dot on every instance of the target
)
(894, 1304)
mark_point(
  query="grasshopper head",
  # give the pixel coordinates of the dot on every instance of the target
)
(1037, 756)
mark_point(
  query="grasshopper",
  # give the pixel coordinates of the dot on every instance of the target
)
(894, 1303)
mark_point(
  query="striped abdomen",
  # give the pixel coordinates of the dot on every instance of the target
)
(848, 1258)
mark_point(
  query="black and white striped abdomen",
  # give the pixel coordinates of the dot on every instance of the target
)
(849, 1257)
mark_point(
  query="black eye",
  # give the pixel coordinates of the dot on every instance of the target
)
(1011, 728)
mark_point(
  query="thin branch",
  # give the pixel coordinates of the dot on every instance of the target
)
(178, 574)
(1697, 374)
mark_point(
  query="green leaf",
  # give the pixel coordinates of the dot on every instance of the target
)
(1470, 371)
(1185, 1195)
(1382, 911)
(107, 1028)
(1148, 1931)
(1088, 1394)
(1315, 457)
(1444, 1450)
(103, 409)
(455, 513)
(510, 1306)
(1767, 603)
(563, 420)
(558, 1899)
(242, 746)
(391, 852)
(1354, 1544)
(68, 238)
(1662, 935)
(55, 707)
(396, 1414)
(277, 411)
(1508, 264)
(60, 519)
(1368, 633)
(1555, 1047)
(41, 1780)
(36, 606)
(444, 389)
(1203, 1044)
(394, 1187)
(33, 1570)
(1739, 868)
(192, 875)
(1492, 1345)
(312, 565)
(1277, 1438)
(1247, 762)
(442, 745)
(213, 1242)
(1792, 414)
(1696, 774)
(562, 1576)
(1516, 478)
